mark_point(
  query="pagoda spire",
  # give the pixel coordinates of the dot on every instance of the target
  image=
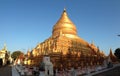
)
(65, 24)
(92, 42)
(98, 51)
(5, 47)
(112, 56)
(103, 53)
(98, 48)
(110, 52)
(28, 53)
(64, 10)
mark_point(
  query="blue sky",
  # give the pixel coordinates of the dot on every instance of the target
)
(25, 23)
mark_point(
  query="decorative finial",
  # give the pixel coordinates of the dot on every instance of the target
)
(28, 49)
(64, 10)
(92, 42)
(5, 47)
(98, 48)
(110, 49)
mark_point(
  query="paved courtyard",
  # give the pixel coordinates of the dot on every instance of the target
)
(11, 71)
(112, 72)
(5, 71)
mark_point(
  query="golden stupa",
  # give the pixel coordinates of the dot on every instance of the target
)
(66, 48)
(64, 25)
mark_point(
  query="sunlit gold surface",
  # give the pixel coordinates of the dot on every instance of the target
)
(64, 38)
(4, 55)
(65, 25)
(66, 43)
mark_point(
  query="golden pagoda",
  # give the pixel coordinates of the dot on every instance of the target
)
(4, 56)
(66, 48)
(112, 56)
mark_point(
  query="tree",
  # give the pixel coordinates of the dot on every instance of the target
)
(15, 54)
(117, 53)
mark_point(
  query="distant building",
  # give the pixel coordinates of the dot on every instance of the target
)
(111, 57)
(4, 56)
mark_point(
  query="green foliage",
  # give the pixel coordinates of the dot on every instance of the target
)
(15, 54)
(117, 53)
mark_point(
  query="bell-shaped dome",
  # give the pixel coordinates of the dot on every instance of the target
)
(64, 25)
